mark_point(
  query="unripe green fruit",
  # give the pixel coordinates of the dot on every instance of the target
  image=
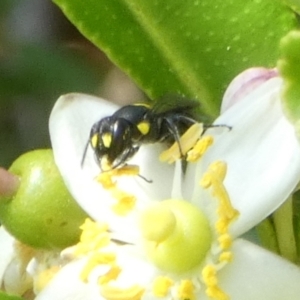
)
(41, 213)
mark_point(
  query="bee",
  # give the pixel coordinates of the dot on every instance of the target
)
(117, 138)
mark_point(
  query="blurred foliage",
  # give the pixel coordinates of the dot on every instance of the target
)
(41, 57)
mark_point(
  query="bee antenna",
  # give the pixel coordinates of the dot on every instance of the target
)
(84, 153)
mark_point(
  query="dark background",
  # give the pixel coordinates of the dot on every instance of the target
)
(41, 57)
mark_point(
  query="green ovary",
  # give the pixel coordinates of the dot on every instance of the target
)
(177, 235)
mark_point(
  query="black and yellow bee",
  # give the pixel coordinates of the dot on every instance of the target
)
(118, 137)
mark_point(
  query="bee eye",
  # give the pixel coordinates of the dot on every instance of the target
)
(106, 139)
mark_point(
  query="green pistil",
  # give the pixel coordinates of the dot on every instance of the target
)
(177, 235)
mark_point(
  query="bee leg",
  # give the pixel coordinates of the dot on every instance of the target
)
(146, 179)
(207, 126)
(173, 130)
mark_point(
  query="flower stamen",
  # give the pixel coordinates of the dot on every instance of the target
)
(95, 260)
(213, 179)
(94, 236)
(161, 286)
(112, 274)
(186, 290)
(134, 292)
(200, 148)
(125, 201)
(93, 239)
(187, 141)
(209, 274)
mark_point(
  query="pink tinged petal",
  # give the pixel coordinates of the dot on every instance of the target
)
(262, 155)
(244, 84)
(256, 273)
(70, 122)
(7, 252)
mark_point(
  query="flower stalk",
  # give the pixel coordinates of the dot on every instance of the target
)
(284, 229)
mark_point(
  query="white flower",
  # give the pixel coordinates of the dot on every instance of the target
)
(181, 248)
(263, 159)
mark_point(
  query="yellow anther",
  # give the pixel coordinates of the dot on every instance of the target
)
(214, 178)
(106, 139)
(127, 170)
(187, 141)
(44, 278)
(216, 293)
(219, 168)
(143, 127)
(161, 286)
(186, 290)
(209, 274)
(93, 227)
(134, 292)
(94, 140)
(225, 241)
(200, 148)
(226, 256)
(94, 260)
(112, 274)
(125, 202)
(94, 236)
(222, 224)
(157, 223)
(106, 180)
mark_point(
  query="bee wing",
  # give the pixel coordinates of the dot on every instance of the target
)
(176, 103)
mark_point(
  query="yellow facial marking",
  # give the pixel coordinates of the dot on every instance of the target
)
(143, 127)
(94, 140)
(106, 139)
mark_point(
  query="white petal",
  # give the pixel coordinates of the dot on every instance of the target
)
(245, 83)
(7, 252)
(66, 285)
(70, 122)
(135, 270)
(261, 152)
(257, 274)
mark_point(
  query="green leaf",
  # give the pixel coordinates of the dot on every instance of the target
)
(4, 296)
(289, 67)
(192, 47)
(294, 4)
(44, 72)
